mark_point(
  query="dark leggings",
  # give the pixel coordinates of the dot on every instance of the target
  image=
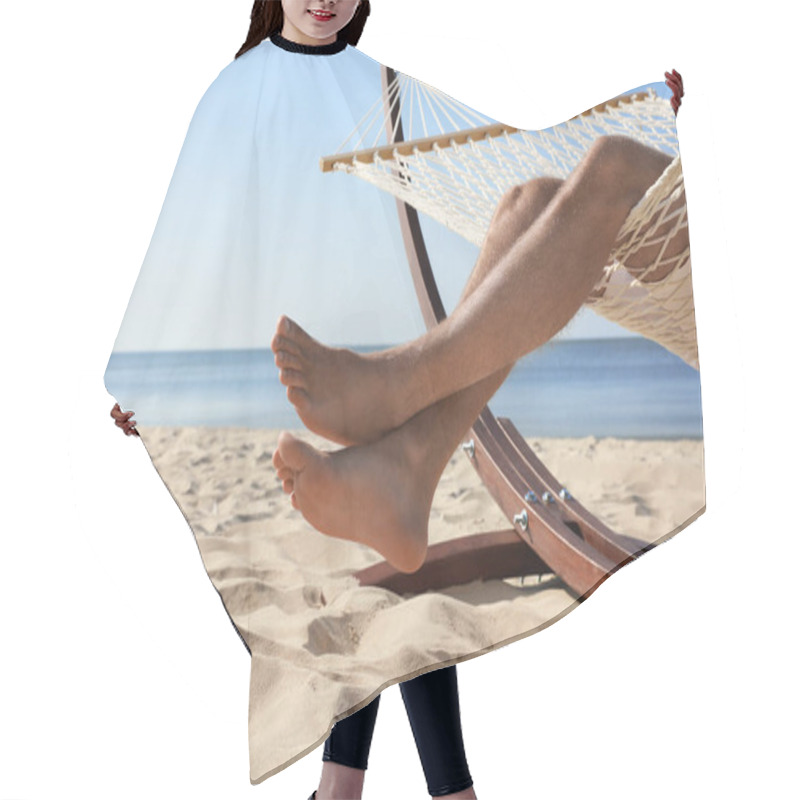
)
(432, 706)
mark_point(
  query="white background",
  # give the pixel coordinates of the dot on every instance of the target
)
(120, 675)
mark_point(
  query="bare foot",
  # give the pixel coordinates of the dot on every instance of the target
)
(346, 397)
(379, 494)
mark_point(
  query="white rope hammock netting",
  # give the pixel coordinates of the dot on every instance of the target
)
(455, 164)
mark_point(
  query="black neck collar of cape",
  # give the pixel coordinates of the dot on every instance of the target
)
(308, 49)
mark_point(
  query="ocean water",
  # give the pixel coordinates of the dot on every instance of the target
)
(627, 388)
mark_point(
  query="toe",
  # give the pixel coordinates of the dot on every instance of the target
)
(291, 330)
(294, 452)
(284, 358)
(288, 488)
(298, 397)
(300, 336)
(291, 377)
(284, 325)
(287, 345)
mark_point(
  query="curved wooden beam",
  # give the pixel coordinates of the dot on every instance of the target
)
(430, 301)
(619, 548)
(575, 561)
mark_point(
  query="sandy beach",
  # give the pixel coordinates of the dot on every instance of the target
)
(314, 631)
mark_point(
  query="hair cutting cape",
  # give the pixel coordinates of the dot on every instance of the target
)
(597, 454)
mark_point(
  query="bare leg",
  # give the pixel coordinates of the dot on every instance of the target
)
(541, 280)
(466, 794)
(380, 494)
(339, 782)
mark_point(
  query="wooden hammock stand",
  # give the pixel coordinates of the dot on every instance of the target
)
(552, 532)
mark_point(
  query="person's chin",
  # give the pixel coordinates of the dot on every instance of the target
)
(321, 37)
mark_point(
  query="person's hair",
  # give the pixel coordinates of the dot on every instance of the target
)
(266, 18)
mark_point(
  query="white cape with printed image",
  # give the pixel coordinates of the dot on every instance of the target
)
(251, 229)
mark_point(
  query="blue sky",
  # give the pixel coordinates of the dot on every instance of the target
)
(247, 234)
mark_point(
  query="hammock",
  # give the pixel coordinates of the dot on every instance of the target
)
(455, 164)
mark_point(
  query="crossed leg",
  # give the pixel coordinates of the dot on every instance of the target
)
(363, 491)
(541, 279)
(407, 408)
